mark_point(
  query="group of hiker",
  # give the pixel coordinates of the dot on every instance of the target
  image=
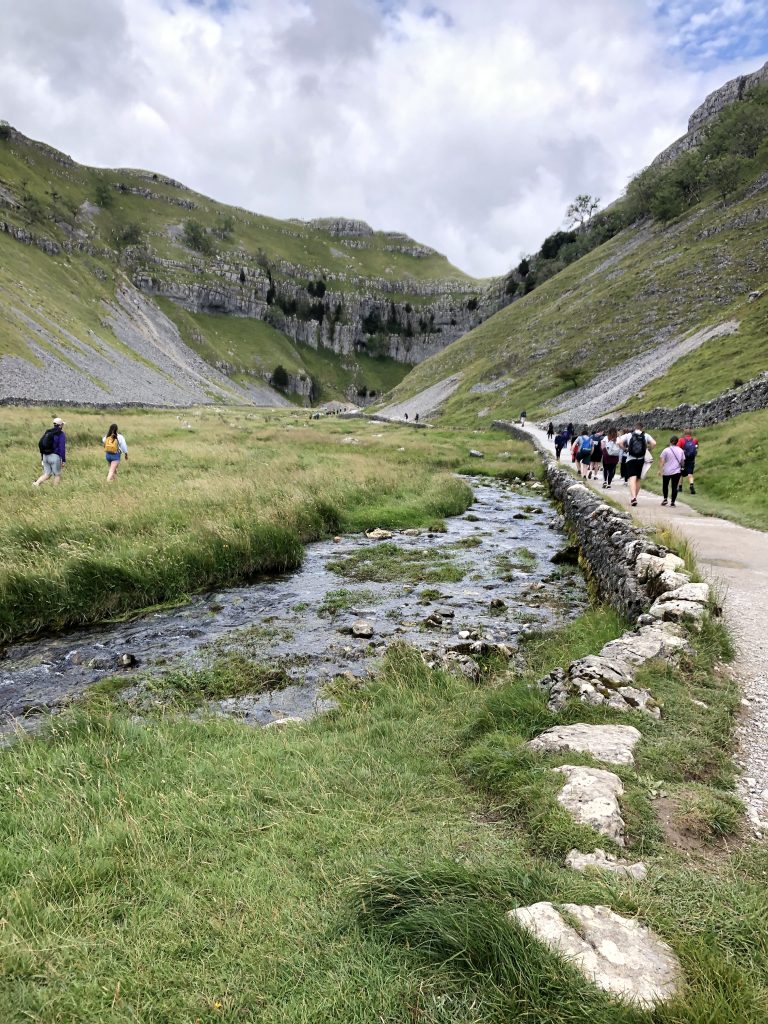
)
(53, 452)
(601, 452)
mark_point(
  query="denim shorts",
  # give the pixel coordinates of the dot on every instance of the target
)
(52, 464)
(113, 456)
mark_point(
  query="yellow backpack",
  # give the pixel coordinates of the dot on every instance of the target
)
(111, 447)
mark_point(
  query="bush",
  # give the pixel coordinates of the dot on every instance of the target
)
(104, 194)
(196, 237)
(280, 377)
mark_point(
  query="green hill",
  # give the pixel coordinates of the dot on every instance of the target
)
(345, 310)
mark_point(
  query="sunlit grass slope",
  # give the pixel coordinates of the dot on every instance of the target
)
(207, 497)
(647, 284)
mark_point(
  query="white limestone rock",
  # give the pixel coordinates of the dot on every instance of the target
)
(620, 955)
(610, 743)
(602, 861)
(278, 723)
(591, 797)
(362, 629)
(378, 534)
(698, 592)
(678, 611)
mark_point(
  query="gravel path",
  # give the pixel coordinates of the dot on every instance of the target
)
(615, 386)
(425, 403)
(735, 560)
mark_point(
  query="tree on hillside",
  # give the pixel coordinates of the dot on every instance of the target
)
(572, 375)
(197, 238)
(724, 172)
(580, 211)
(280, 377)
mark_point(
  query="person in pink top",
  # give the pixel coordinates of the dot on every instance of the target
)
(672, 461)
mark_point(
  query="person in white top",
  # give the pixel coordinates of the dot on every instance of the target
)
(637, 444)
(114, 448)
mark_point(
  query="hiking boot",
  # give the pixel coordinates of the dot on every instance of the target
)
(692, 489)
(664, 502)
(672, 504)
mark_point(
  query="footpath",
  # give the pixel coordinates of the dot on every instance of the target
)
(735, 561)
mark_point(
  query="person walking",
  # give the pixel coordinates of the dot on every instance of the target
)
(636, 444)
(689, 446)
(571, 430)
(611, 455)
(672, 461)
(583, 446)
(53, 452)
(522, 418)
(561, 440)
(550, 430)
(114, 448)
(597, 454)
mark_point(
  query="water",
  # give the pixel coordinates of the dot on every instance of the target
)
(503, 545)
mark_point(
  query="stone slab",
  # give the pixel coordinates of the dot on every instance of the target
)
(591, 797)
(618, 954)
(610, 743)
(602, 861)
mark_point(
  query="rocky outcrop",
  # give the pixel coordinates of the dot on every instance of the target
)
(747, 397)
(731, 92)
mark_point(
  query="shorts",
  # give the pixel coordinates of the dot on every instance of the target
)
(688, 467)
(52, 464)
(585, 457)
(113, 456)
(634, 467)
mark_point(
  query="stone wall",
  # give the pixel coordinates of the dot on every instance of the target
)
(608, 539)
(749, 397)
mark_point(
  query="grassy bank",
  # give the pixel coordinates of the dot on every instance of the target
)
(358, 868)
(728, 469)
(207, 497)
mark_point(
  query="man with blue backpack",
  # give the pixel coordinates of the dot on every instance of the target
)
(690, 447)
(584, 445)
(637, 444)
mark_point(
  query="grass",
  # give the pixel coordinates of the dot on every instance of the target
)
(386, 563)
(360, 867)
(236, 496)
(728, 468)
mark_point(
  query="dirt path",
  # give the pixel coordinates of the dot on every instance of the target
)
(735, 559)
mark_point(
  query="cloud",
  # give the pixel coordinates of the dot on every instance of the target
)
(469, 126)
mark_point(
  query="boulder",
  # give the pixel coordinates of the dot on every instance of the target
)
(591, 797)
(362, 629)
(610, 743)
(698, 592)
(476, 454)
(378, 534)
(602, 861)
(620, 955)
(678, 611)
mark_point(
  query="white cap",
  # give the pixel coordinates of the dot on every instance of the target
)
(58, 421)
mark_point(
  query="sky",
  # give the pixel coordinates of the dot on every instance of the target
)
(468, 124)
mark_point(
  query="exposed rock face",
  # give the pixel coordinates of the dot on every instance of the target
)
(612, 744)
(727, 94)
(591, 797)
(619, 954)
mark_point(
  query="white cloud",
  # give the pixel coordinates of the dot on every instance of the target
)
(469, 126)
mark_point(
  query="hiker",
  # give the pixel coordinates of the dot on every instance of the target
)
(114, 448)
(637, 444)
(561, 440)
(690, 448)
(53, 452)
(597, 454)
(672, 460)
(611, 454)
(550, 430)
(405, 414)
(583, 446)
(416, 418)
(570, 430)
(522, 418)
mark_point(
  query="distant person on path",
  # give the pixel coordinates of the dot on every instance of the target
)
(636, 444)
(522, 418)
(405, 416)
(550, 430)
(672, 460)
(611, 456)
(583, 445)
(416, 418)
(571, 431)
(53, 452)
(597, 453)
(561, 440)
(690, 449)
(114, 448)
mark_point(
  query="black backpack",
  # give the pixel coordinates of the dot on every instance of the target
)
(636, 447)
(45, 444)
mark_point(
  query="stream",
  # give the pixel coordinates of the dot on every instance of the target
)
(433, 590)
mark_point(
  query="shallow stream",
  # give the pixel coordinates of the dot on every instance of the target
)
(431, 589)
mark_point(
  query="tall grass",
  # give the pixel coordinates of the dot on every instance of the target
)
(207, 497)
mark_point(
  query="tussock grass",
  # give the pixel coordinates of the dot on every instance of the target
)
(236, 496)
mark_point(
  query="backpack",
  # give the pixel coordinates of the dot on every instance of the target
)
(586, 445)
(637, 446)
(111, 446)
(689, 448)
(45, 444)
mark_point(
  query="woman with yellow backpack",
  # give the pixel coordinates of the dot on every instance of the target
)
(114, 448)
